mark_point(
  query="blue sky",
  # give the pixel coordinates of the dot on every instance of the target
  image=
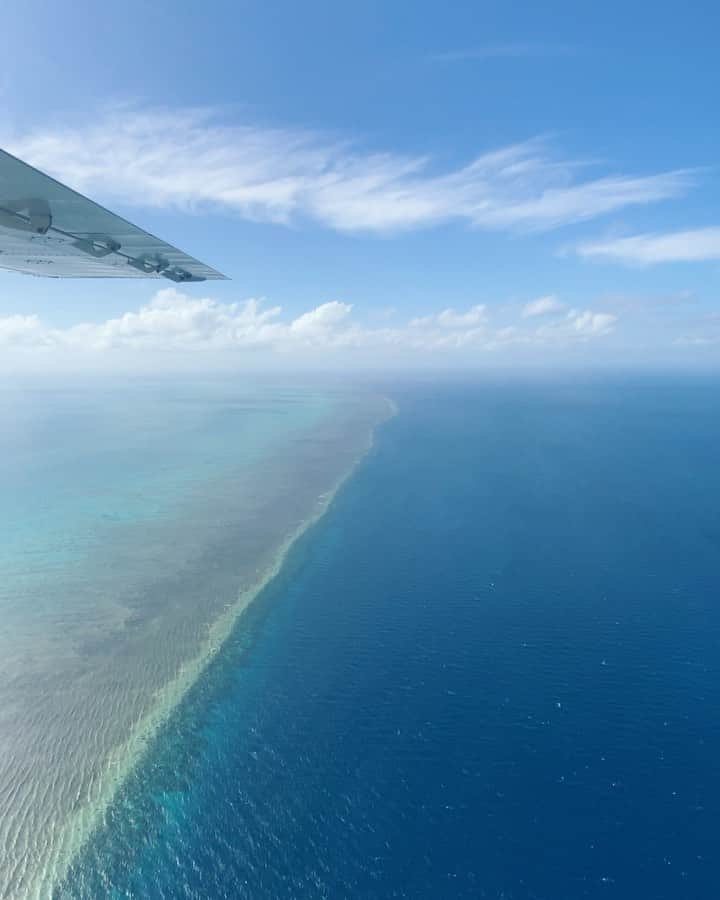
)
(405, 182)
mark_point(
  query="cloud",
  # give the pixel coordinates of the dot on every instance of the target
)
(187, 159)
(647, 249)
(22, 331)
(450, 318)
(542, 306)
(175, 322)
(589, 323)
(577, 325)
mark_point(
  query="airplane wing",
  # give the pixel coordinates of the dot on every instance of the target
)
(48, 229)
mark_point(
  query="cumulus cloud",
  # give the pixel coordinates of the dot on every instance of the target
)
(22, 331)
(450, 318)
(577, 325)
(591, 323)
(321, 322)
(647, 249)
(175, 322)
(542, 306)
(187, 159)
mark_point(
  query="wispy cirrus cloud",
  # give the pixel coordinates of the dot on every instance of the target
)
(189, 160)
(694, 245)
(175, 322)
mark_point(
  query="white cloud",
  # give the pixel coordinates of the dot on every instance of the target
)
(321, 322)
(577, 325)
(21, 331)
(175, 322)
(186, 159)
(542, 306)
(646, 249)
(589, 323)
(450, 318)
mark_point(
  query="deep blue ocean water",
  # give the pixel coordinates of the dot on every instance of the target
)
(491, 670)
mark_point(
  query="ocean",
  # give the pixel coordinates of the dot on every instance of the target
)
(486, 668)
(137, 520)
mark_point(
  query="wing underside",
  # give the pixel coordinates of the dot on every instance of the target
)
(48, 229)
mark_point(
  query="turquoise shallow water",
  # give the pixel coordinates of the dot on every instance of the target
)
(134, 521)
(490, 670)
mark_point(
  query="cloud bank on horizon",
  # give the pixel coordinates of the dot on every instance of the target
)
(173, 321)
(188, 160)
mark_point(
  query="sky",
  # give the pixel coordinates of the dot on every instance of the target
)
(403, 184)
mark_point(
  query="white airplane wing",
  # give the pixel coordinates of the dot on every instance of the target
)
(48, 229)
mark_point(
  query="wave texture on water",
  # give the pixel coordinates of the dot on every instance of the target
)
(108, 648)
(490, 670)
